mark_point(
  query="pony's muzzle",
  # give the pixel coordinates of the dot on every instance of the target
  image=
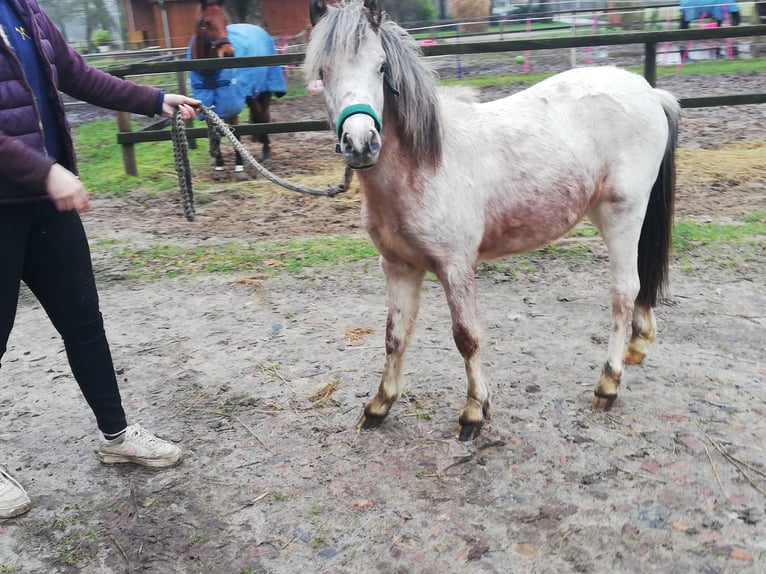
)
(360, 152)
(359, 136)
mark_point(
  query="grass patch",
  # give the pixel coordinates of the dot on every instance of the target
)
(703, 68)
(102, 170)
(267, 257)
(690, 235)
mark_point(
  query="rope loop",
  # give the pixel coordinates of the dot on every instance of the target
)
(216, 129)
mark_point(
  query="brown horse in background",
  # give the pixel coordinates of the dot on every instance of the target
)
(253, 87)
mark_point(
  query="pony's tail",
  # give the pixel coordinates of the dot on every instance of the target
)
(655, 243)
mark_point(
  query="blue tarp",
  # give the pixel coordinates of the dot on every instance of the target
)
(694, 9)
(227, 89)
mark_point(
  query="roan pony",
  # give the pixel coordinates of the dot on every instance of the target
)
(228, 90)
(448, 181)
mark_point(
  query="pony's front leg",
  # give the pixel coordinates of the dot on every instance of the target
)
(404, 282)
(460, 289)
(239, 168)
(219, 170)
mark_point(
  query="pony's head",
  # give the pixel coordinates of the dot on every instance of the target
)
(354, 100)
(210, 39)
(369, 65)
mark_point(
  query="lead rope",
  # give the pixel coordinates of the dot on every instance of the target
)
(216, 129)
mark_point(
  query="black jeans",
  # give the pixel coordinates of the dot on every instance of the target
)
(47, 249)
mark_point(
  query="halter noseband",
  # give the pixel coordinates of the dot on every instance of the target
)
(349, 111)
(213, 43)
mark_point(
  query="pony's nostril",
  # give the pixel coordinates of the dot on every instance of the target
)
(374, 145)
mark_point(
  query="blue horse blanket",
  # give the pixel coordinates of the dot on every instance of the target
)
(227, 89)
(694, 9)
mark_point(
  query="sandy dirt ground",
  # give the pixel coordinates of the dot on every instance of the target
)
(262, 379)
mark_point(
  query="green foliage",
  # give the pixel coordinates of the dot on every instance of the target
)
(246, 10)
(101, 37)
(409, 10)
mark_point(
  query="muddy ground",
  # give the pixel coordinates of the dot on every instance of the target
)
(262, 379)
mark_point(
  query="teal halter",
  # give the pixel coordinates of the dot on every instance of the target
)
(357, 109)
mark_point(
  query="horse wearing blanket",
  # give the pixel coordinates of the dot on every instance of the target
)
(227, 91)
(449, 181)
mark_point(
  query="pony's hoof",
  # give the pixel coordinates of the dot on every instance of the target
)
(633, 357)
(369, 422)
(241, 176)
(472, 419)
(219, 175)
(468, 431)
(602, 403)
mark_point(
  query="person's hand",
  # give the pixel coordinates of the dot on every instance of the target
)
(66, 189)
(183, 103)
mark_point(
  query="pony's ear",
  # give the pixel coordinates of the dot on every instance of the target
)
(376, 12)
(206, 3)
(317, 9)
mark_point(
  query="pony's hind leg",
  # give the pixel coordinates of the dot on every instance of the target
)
(621, 239)
(460, 289)
(644, 333)
(260, 113)
(404, 283)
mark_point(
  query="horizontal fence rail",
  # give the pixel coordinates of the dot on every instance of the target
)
(454, 48)
(127, 138)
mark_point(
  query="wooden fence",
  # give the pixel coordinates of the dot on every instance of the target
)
(127, 138)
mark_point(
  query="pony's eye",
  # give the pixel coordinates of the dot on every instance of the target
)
(321, 75)
(384, 68)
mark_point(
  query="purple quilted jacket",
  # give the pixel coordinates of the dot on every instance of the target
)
(24, 166)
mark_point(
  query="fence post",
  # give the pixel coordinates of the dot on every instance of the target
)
(650, 63)
(128, 151)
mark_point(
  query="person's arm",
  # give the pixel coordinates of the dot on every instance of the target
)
(38, 176)
(24, 168)
(84, 82)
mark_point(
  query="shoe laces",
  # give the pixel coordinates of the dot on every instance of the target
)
(8, 479)
(140, 435)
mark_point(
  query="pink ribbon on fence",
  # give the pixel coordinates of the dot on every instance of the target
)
(592, 32)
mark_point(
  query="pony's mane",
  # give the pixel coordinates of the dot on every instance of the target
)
(415, 112)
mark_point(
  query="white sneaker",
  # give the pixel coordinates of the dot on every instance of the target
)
(13, 498)
(139, 446)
